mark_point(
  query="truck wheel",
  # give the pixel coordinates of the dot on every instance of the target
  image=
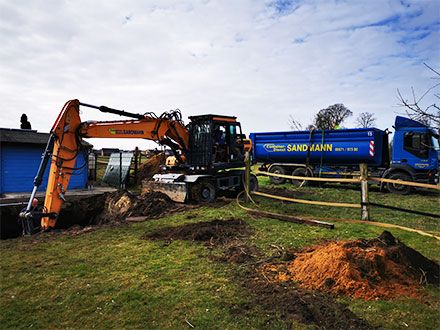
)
(277, 170)
(203, 192)
(300, 171)
(396, 188)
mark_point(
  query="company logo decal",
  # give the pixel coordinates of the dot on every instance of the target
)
(270, 147)
(125, 131)
(313, 147)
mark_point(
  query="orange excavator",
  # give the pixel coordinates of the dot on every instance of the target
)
(208, 153)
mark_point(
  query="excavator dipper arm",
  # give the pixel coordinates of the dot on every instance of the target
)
(65, 144)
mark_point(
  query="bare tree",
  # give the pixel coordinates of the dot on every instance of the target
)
(298, 126)
(428, 114)
(332, 116)
(366, 120)
(294, 124)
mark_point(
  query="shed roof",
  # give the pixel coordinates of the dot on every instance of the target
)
(14, 135)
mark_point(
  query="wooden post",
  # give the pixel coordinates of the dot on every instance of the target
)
(136, 154)
(120, 170)
(95, 169)
(365, 210)
(247, 176)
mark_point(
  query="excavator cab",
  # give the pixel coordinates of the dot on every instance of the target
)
(216, 143)
(216, 151)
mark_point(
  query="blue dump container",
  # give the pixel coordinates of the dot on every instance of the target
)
(329, 147)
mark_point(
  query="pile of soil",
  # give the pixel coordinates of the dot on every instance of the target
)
(216, 232)
(114, 207)
(120, 205)
(151, 166)
(379, 268)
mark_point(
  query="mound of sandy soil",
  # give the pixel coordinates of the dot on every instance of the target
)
(379, 268)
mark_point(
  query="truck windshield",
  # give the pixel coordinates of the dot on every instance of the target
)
(435, 143)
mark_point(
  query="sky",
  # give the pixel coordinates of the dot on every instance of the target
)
(261, 61)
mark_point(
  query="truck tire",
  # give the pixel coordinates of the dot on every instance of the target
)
(277, 170)
(203, 192)
(300, 171)
(396, 188)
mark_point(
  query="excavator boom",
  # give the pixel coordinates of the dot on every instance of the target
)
(65, 144)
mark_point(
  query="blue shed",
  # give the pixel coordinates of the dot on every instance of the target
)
(20, 156)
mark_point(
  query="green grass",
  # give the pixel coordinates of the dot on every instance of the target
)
(111, 278)
(424, 201)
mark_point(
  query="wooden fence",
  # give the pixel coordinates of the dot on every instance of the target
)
(363, 179)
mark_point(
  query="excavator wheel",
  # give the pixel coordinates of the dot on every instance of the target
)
(253, 182)
(203, 192)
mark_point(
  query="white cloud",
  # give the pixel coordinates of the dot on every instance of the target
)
(259, 61)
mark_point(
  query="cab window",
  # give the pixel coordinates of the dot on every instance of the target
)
(417, 143)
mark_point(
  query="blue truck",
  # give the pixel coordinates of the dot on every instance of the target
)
(414, 154)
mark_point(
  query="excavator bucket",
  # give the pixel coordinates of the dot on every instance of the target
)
(171, 185)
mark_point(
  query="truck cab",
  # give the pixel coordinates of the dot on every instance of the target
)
(415, 152)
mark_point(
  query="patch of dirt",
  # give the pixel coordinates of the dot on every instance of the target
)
(216, 232)
(151, 166)
(238, 252)
(276, 298)
(291, 302)
(379, 268)
(226, 234)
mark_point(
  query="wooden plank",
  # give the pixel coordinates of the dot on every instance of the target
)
(304, 201)
(136, 219)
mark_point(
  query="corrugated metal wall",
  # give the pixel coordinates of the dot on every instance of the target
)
(19, 165)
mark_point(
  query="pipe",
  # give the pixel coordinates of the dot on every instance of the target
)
(103, 108)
